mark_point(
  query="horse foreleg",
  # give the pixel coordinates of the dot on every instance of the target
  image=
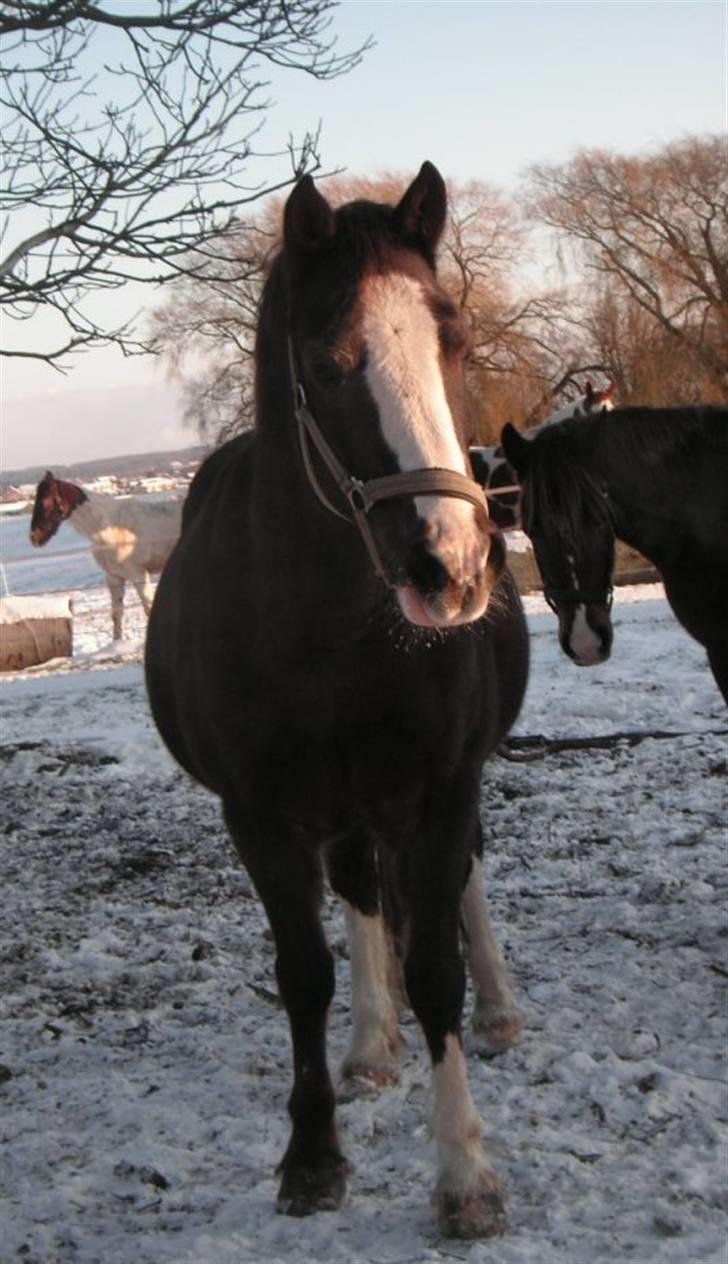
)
(372, 1056)
(497, 1020)
(116, 588)
(468, 1196)
(288, 880)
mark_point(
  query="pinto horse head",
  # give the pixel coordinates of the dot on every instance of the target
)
(55, 500)
(566, 516)
(377, 352)
(587, 405)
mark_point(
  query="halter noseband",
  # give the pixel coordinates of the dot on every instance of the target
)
(554, 597)
(361, 494)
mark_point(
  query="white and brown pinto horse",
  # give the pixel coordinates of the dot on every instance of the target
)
(493, 471)
(335, 648)
(130, 539)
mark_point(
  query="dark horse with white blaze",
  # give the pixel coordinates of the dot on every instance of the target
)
(335, 648)
(656, 478)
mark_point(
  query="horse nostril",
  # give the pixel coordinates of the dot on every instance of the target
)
(426, 571)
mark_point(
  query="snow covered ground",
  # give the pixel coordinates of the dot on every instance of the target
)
(145, 1062)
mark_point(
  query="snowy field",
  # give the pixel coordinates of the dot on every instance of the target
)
(145, 1062)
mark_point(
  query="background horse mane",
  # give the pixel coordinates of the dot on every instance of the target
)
(494, 472)
(659, 446)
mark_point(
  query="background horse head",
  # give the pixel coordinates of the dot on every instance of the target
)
(55, 500)
(566, 516)
(585, 406)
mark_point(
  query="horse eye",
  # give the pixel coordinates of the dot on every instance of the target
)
(326, 368)
(455, 341)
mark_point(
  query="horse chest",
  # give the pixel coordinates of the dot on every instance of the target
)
(345, 741)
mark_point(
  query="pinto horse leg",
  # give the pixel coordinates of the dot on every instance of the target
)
(497, 1020)
(287, 877)
(468, 1195)
(145, 591)
(116, 588)
(371, 1059)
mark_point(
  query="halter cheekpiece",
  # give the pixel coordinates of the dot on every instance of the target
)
(363, 494)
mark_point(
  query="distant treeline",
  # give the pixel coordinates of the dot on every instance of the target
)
(139, 463)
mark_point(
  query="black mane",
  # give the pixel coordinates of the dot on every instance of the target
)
(573, 461)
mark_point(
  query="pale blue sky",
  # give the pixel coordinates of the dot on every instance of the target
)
(483, 89)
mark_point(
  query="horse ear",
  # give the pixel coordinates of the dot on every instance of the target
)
(589, 394)
(516, 448)
(308, 220)
(419, 217)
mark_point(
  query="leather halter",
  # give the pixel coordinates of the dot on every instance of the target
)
(555, 597)
(362, 495)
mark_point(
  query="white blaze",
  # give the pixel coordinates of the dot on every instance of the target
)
(584, 642)
(404, 377)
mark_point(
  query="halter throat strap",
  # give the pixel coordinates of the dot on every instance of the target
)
(362, 495)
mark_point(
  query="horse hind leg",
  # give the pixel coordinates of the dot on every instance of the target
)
(497, 1021)
(145, 591)
(371, 1060)
(288, 880)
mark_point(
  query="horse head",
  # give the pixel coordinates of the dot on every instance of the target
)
(49, 508)
(566, 516)
(586, 405)
(377, 353)
(595, 401)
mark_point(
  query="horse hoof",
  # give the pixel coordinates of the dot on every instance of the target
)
(360, 1080)
(306, 1190)
(496, 1030)
(480, 1214)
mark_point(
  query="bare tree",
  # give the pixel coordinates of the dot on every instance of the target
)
(655, 231)
(129, 136)
(526, 351)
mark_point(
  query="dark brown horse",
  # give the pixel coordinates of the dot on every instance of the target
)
(656, 478)
(335, 648)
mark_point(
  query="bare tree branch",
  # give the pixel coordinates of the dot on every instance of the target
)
(126, 170)
(655, 227)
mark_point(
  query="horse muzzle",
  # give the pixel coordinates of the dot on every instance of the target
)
(585, 634)
(439, 590)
